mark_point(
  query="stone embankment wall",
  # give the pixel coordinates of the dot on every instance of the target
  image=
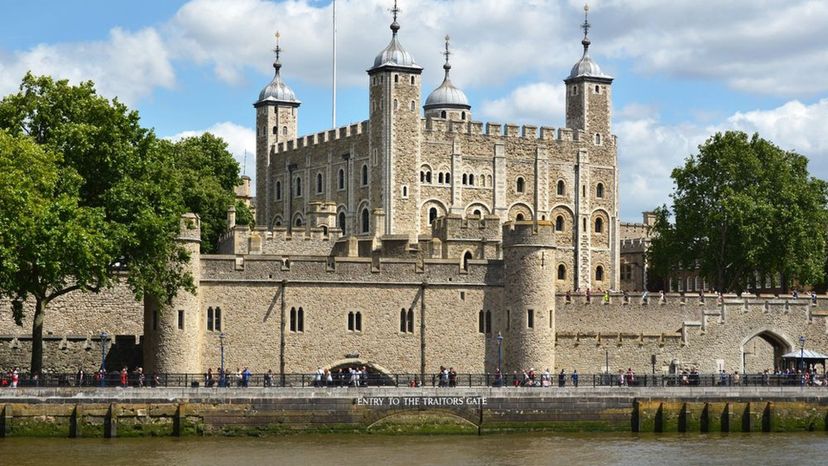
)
(154, 412)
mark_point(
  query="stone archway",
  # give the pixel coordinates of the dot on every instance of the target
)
(763, 349)
(377, 375)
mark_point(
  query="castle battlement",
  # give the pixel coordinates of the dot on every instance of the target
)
(454, 226)
(337, 134)
(497, 130)
(539, 233)
(279, 240)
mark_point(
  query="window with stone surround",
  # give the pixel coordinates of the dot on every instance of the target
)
(405, 191)
(209, 319)
(180, 320)
(597, 139)
(561, 272)
(530, 318)
(298, 187)
(412, 106)
(432, 215)
(354, 321)
(481, 322)
(520, 185)
(406, 320)
(297, 320)
(278, 190)
(466, 258)
(443, 114)
(319, 184)
(599, 273)
(341, 180)
(599, 190)
(366, 221)
(340, 221)
(488, 322)
(599, 225)
(217, 319)
(559, 223)
(412, 80)
(561, 191)
(365, 175)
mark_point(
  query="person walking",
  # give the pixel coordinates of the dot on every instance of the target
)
(575, 378)
(562, 378)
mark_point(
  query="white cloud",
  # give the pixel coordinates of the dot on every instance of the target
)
(537, 102)
(129, 65)
(649, 150)
(239, 139)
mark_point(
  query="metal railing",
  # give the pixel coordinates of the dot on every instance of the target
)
(374, 379)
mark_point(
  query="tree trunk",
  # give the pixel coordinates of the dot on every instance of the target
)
(37, 338)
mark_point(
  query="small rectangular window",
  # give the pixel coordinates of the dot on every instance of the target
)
(530, 318)
(180, 320)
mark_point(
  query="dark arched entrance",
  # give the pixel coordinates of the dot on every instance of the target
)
(370, 374)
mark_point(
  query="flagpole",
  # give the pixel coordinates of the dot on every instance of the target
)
(333, 97)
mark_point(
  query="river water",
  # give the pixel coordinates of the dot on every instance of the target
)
(367, 450)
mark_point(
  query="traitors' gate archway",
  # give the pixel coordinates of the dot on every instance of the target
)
(763, 350)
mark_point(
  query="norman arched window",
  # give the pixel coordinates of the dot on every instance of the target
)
(471, 179)
(559, 223)
(599, 274)
(410, 320)
(210, 319)
(319, 186)
(297, 320)
(365, 175)
(366, 221)
(340, 182)
(465, 179)
(520, 185)
(561, 272)
(284, 130)
(278, 190)
(561, 188)
(599, 225)
(340, 221)
(403, 325)
(440, 178)
(597, 139)
(519, 217)
(463, 115)
(432, 215)
(599, 190)
(447, 178)
(412, 106)
(466, 258)
(477, 213)
(428, 177)
(443, 114)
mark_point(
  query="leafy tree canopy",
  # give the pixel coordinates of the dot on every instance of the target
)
(85, 189)
(742, 206)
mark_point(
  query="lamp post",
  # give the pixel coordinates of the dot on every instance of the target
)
(499, 353)
(221, 376)
(103, 358)
(802, 360)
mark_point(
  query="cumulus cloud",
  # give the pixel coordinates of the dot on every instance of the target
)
(649, 150)
(129, 65)
(537, 102)
(239, 139)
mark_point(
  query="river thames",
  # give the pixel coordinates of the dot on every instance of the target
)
(499, 449)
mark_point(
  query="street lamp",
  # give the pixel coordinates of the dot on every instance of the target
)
(221, 376)
(802, 358)
(103, 358)
(499, 353)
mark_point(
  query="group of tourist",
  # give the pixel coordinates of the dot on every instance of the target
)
(530, 378)
(241, 378)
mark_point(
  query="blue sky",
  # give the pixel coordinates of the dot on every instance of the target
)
(683, 69)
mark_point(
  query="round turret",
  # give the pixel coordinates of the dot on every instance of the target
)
(529, 295)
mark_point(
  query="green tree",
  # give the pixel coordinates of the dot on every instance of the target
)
(99, 192)
(208, 174)
(244, 215)
(744, 206)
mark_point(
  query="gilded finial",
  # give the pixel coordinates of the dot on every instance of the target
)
(278, 51)
(586, 26)
(447, 66)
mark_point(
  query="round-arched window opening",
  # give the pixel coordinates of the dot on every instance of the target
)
(561, 272)
(599, 225)
(477, 213)
(366, 221)
(559, 223)
(599, 274)
(599, 190)
(432, 215)
(519, 217)
(520, 185)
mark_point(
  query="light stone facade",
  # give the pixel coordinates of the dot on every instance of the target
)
(407, 242)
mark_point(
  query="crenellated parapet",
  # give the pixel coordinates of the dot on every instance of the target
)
(340, 134)
(499, 131)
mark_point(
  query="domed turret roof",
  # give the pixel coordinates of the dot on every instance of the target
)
(586, 66)
(394, 54)
(277, 90)
(447, 95)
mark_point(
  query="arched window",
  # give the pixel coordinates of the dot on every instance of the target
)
(561, 188)
(412, 80)
(440, 178)
(483, 180)
(599, 225)
(278, 190)
(428, 176)
(358, 321)
(488, 321)
(519, 217)
(403, 326)
(599, 190)
(520, 185)
(412, 106)
(463, 115)
(481, 322)
(466, 258)
(422, 176)
(351, 322)
(443, 114)
(217, 320)
(210, 319)
(489, 180)
(597, 139)
(599, 274)
(597, 89)
(340, 222)
(365, 175)
(298, 187)
(298, 222)
(559, 223)
(447, 178)
(341, 179)
(477, 213)
(465, 179)
(319, 187)
(293, 319)
(300, 324)
(396, 78)
(284, 130)
(405, 192)
(471, 179)
(432, 215)
(276, 130)
(561, 272)
(366, 221)
(324, 230)
(410, 320)
(584, 222)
